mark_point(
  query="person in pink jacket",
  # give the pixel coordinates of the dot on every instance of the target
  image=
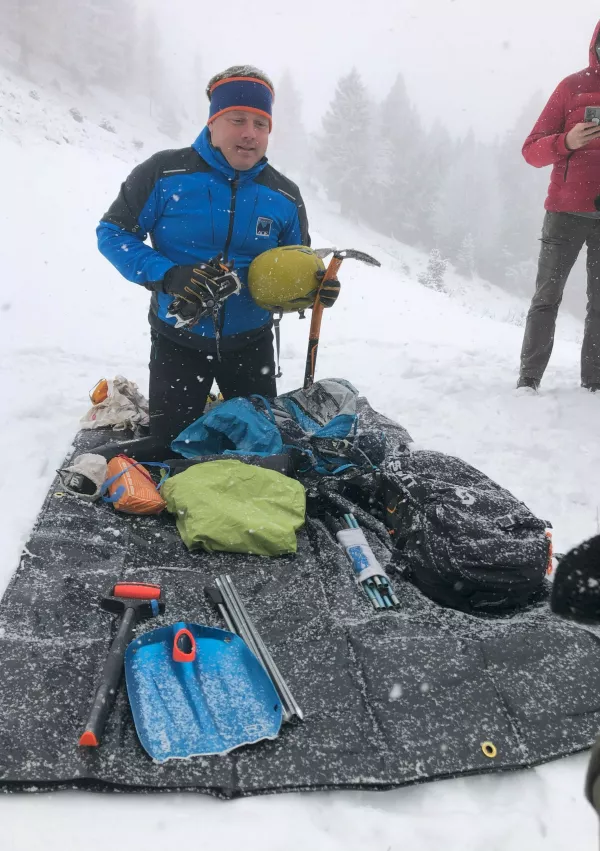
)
(563, 139)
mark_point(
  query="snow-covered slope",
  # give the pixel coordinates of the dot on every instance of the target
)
(443, 365)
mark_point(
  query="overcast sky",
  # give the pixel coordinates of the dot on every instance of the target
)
(470, 62)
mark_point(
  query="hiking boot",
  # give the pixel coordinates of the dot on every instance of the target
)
(531, 383)
(593, 388)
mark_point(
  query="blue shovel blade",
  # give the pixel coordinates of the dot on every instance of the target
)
(220, 701)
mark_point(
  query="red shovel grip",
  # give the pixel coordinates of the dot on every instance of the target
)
(184, 646)
(136, 591)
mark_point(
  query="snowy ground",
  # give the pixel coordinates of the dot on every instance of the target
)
(444, 366)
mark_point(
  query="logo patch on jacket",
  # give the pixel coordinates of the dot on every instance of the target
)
(263, 226)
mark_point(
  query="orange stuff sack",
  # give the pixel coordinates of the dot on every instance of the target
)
(100, 392)
(132, 489)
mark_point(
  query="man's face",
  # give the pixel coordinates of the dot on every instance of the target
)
(241, 136)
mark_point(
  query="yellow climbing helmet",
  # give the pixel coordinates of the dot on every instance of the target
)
(285, 279)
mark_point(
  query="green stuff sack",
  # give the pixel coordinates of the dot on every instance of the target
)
(233, 507)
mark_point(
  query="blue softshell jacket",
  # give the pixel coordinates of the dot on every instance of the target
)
(194, 206)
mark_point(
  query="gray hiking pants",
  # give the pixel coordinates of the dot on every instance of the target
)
(563, 237)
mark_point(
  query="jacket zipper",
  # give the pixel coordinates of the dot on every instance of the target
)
(567, 168)
(234, 189)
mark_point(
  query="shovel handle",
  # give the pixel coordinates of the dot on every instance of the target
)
(315, 324)
(136, 591)
(111, 674)
(184, 646)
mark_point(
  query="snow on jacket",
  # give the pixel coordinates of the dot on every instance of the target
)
(194, 205)
(575, 179)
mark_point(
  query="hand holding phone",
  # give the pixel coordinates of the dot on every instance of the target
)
(586, 131)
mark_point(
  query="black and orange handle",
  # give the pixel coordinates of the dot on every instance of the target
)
(315, 324)
(135, 600)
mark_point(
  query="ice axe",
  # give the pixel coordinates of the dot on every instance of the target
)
(317, 311)
(135, 601)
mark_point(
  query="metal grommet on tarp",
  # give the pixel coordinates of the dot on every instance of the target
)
(489, 749)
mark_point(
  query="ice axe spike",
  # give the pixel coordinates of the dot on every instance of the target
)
(317, 311)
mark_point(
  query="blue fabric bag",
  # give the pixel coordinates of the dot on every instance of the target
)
(235, 427)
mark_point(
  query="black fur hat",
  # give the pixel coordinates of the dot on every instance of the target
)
(576, 586)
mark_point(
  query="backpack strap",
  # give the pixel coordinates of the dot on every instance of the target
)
(266, 404)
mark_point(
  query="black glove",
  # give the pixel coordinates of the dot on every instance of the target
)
(194, 284)
(329, 291)
(198, 290)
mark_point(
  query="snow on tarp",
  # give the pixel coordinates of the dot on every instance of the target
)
(389, 699)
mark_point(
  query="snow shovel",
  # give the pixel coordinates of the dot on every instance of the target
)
(317, 311)
(196, 690)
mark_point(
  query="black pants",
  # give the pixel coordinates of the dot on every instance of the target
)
(181, 379)
(563, 237)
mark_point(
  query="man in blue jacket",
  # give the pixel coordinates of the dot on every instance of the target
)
(218, 198)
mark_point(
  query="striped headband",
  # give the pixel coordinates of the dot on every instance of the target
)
(247, 93)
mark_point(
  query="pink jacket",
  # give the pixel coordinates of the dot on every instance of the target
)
(575, 179)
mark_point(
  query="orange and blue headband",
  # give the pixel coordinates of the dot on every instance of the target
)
(248, 93)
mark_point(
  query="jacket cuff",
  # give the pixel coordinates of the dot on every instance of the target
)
(561, 145)
(159, 286)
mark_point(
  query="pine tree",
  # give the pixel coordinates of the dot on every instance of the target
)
(397, 151)
(27, 32)
(198, 99)
(148, 70)
(465, 257)
(467, 203)
(520, 200)
(288, 148)
(433, 277)
(343, 151)
(10, 32)
(151, 78)
(111, 35)
(437, 152)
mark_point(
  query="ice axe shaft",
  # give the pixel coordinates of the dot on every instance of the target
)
(135, 601)
(317, 311)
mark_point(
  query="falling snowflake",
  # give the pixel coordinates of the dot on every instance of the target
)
(396, 692)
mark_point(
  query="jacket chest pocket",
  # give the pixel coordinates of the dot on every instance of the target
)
(257, 229)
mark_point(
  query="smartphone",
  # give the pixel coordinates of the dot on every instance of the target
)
(592, 113)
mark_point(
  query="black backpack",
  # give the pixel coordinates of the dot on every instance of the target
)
(463, 540)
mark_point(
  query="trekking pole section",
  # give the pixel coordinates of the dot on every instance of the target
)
(369, 573)
(265, 654)
(216, 597)
(232, 616)
(230, 605)
(251, 634)
(237, 618)
(277, 679)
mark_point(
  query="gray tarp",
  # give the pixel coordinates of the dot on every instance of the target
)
(389, 699)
